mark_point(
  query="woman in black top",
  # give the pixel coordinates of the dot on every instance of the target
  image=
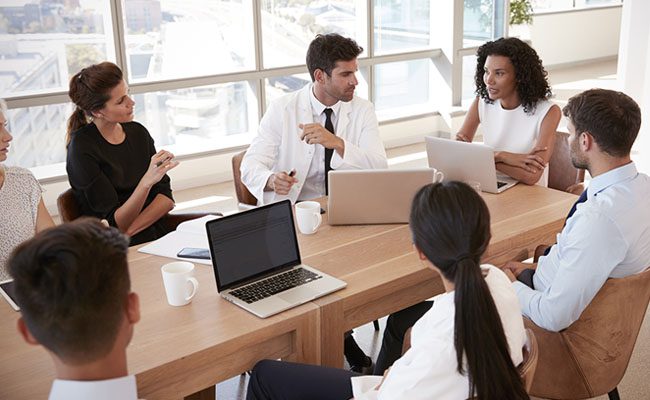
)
(112, 164)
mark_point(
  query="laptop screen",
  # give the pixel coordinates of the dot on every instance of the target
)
(252, 244)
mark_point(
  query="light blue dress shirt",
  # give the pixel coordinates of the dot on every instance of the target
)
(607, 237)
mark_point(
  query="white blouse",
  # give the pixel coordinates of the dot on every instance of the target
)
(513, 130)
(20, 195)
(428, 369)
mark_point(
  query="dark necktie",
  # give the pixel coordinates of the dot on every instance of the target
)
(328, 152)
(581, 199)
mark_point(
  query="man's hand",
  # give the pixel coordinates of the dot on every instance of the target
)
(516, 268)
(317, 134)
(281, 182)
(462, 138)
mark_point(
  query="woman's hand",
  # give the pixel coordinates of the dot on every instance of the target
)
(160, 164)
(528, 162)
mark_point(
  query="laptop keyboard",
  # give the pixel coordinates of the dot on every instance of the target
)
(275, 284)
(501, 184)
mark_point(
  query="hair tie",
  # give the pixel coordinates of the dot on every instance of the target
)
(463, 257)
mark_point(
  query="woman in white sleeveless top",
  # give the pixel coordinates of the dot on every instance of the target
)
(517, 119)
(22, 212)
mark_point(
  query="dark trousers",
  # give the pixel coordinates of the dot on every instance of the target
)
(396, 326)
(271, 380)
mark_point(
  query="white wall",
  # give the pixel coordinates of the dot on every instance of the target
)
(634, 70)
(576, 36)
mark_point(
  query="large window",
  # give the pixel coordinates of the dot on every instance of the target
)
(560, 5)
(202, 72)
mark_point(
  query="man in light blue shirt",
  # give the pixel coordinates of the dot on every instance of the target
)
(608, 236)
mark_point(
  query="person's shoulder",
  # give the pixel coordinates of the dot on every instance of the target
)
(495, 278)
(84, 136)
(287, 99)
(19, 172)
(22, 177)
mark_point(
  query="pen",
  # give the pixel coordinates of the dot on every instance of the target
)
(159, 163)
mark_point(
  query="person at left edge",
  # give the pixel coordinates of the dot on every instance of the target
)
(112, 164)
(292, 134)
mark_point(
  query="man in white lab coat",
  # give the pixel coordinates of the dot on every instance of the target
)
(319, 128)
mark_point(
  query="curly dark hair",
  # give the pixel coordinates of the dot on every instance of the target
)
(325, 50)
(532, 85)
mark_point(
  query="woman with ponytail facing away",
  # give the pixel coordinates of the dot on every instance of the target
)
(468, 342)
(112, 164)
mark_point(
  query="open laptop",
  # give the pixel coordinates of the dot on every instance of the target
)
(257, 264)
(461, 161)
(377, 196)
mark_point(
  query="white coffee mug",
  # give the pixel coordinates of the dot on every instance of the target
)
(438, 176)
(308, 216)
(179, 281)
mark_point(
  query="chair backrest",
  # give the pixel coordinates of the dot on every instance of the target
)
(589, 358)
(531, 355)
(68, 207)
(242, 192)
(561, 172)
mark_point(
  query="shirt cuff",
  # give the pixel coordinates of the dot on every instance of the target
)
(338, 161)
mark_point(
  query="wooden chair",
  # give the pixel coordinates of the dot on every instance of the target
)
(69, 210)
(562, 175)
(589, 358)
(243, 194)
(527, 367)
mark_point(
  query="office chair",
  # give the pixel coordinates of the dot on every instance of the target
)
(589, 358)
(562, 175)
(243, 194)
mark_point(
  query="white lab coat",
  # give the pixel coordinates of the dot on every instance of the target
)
(277, 146)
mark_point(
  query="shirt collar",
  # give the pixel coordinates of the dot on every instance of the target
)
(318, 107)
(609, 178)
(123, 388)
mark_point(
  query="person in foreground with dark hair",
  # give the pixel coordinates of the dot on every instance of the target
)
(73, 288)
(305, 134)
(465, 346)
(323, 126)
(607, 233)
(513, 108)
(112, 164)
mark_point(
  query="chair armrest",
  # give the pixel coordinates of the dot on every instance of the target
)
(539, 251)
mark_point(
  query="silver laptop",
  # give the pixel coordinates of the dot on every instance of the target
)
(257, 264)
(461, 161)
(377, 196)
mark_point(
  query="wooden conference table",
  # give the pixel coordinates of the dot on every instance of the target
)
(176, 352)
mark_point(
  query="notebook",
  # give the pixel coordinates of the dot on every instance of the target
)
(377, 196)
(257, 264)
(461, 161)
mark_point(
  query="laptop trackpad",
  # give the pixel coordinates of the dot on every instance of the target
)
(298, 295)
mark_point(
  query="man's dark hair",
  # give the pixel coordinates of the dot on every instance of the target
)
(72, 284)
(325, 50)
(611, 117)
